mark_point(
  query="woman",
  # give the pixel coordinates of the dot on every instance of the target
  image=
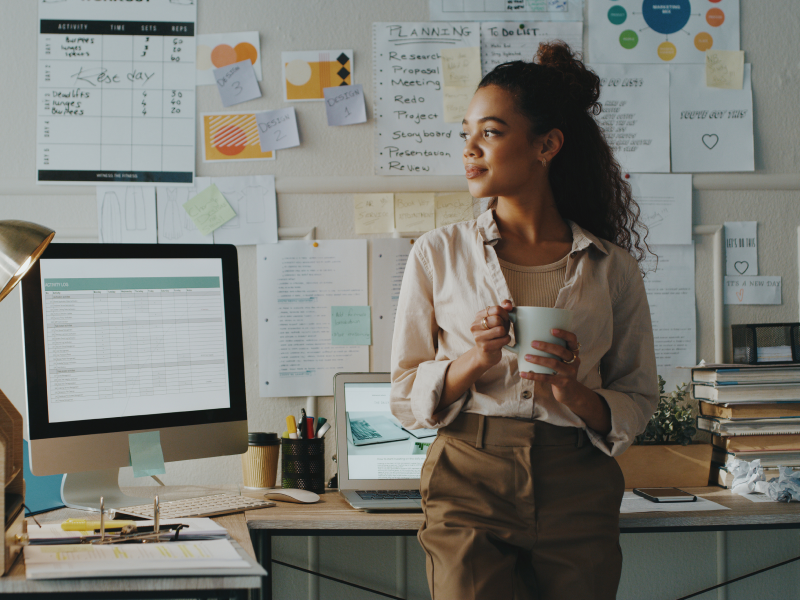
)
(520, 493)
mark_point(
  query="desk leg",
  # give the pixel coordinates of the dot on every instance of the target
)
(264, 551)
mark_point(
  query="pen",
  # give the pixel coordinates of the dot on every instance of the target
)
(320, 422)
(323, 430)
(310, 428)
(291, 427)
(84, 525)
(303, 430)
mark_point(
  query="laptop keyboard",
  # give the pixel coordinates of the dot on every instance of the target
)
(389, 495)
(362, 431)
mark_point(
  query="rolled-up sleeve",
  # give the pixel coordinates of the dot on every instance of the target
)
(417, 376)
(629, 376)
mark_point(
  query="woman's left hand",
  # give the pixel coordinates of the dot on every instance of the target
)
(565, 381)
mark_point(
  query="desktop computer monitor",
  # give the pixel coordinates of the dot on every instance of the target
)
(127, 338)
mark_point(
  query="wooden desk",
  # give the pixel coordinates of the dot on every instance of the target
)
(232, 586)
(333, 516)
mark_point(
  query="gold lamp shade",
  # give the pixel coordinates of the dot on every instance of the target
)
(21, 244)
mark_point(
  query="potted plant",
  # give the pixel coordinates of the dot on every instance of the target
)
(664, 455)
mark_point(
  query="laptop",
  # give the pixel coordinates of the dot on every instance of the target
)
(379, 460)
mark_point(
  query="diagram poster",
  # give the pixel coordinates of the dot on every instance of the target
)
(116, 92)
(711, 128)
(657, 31)
(411, 136)
(501, 10)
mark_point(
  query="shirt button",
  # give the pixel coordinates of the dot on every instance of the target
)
(526, 395)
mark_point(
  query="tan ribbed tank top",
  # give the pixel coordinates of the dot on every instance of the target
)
(535, 286)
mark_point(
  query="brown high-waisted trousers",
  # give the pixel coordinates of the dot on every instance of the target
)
(518, 510)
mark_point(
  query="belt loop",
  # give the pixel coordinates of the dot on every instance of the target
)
(479, 438)
(580, 438)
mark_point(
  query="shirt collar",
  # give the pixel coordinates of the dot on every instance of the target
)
(581, 238)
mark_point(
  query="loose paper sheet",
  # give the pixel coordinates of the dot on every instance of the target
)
(711, 129)
(126, 214)
(351, 326)
(209, 210)
(344, 105)
(277, 129)
(630, 31)
(298, 282)
(453, 208)
(741, 248)
(507, 41)
(307, 73)
(253, 199)
(499, 10)
(753, 290)
(116, 92)
(388, 258)
(174, 224)
(631, 503)
(670, 293)
(725, 69)
(411, 134)
(232, 136)
(414, 212)
(216, 50)
(147, 457)
(237, 83)
(666, 205)
(374, 213)
(635, 115)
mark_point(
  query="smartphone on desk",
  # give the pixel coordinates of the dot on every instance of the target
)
(668, 494)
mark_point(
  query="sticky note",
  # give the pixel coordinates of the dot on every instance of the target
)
(414, 212)
(209, 209)
(752, 290)
(147, 458)
(351, 326)
(461, 67)
(741, 248)
(237, 83)
(456, 100)
(277, 129)
(345, 105)
(453, 208)
(374, 213)
(725, 69)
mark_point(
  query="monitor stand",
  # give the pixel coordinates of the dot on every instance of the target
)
(83, 491)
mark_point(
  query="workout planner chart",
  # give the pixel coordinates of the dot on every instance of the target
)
(116, 92)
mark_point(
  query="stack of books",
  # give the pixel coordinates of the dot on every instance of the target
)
(752, 412)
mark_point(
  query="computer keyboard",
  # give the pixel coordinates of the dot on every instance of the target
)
(362, 431)
(389, 494)
(203, 506)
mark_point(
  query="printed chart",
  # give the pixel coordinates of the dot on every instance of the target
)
(498, 10)
(116, 92)
(654, 31)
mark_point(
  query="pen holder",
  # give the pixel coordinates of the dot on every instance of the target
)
(303, 464)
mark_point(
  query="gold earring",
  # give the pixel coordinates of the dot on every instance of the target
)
(544, 163)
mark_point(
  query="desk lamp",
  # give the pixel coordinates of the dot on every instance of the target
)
(21, 244)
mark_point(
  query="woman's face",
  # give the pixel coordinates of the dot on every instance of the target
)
(500, 158)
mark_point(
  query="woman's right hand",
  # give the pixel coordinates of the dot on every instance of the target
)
(489, 341)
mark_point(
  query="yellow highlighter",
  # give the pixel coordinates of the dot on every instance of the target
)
(291, 427)
(84, 525)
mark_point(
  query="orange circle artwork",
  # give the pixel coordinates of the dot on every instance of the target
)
(246, 51)
(715, 17)
(703, 41)
(223, 55)
(230, 140)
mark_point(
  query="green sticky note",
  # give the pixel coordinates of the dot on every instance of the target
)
(147, 457)
(351, 326)
(209, 209)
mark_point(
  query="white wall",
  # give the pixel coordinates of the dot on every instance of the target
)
(656, 565)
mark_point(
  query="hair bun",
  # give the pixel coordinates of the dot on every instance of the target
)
(581, 87)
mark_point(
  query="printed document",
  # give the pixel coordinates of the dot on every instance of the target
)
(388, 258)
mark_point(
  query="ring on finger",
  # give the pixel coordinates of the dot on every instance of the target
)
(572, 360)
(484, 323)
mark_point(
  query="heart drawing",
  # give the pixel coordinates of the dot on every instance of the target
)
(740, 294)
(741, 266)
(710, 140)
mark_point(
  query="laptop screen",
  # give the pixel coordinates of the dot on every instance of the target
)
(378, 447)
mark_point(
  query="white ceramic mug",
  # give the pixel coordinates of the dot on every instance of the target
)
(533, 323)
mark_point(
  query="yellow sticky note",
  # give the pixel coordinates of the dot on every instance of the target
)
(725, 69)
(453, 208)
(456, 100)
(461, 67)
(374, 213)
(209, 209)
(414, 212)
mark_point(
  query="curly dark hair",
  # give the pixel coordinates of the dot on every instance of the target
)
(557, 91)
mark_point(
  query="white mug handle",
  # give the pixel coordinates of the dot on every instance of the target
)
(515, 347)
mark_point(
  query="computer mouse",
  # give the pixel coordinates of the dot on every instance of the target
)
(292, 495)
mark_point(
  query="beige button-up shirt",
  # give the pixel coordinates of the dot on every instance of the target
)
(453, 272)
